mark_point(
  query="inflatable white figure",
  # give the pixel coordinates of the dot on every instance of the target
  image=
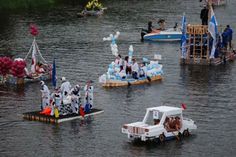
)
(131, 51)
(112, 38)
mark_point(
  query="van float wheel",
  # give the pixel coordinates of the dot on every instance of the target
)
(186, 133)
(179, 136)
(162, 138)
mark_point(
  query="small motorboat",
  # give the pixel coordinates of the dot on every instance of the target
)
(170, 34)
(160, 123)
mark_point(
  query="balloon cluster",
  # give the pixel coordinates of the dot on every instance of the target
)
(112, 38)
(34, 30)
(18, 68)
(5, 65)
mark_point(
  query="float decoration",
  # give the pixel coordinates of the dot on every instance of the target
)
(18, 68)
(5, 65)
(93, 5)
(112, 38)
(34, 30)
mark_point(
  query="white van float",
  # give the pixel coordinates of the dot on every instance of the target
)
(163, 123)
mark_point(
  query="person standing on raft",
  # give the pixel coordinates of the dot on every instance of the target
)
(45, 95)
(65, 88)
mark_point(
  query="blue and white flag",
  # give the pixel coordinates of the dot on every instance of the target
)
(54, 79)
(183, 38)
(212, 28)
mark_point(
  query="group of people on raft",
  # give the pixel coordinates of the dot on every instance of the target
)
(39, 70)
(129, 68)
(66, 100)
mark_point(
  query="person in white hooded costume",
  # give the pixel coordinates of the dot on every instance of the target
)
(45, 95)
(88, 98)
(75, 99)
(65, 88)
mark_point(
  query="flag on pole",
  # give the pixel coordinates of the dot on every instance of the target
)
(183, 106)
(212, 28)
(33, 64)
(54, 79)
(183, 38)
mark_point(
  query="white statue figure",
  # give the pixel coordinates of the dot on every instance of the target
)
(112, 38)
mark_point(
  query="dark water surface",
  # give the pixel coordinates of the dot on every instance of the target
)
(209, 92)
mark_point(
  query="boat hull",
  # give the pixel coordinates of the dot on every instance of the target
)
(163, 37)
(128, 82)
(90, 13)
(18, 81)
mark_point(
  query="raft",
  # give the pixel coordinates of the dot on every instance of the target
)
(230, 56)
(36, 116)
(129, 82)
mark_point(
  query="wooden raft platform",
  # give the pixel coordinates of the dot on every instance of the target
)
(198, 48)
(128, 82)
(36, 116)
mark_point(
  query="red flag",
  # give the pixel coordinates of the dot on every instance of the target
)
(183, 106)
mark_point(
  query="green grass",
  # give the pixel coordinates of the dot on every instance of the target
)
(24, 4)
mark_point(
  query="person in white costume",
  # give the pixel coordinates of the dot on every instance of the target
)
(56, 100)
(88, 98)
(45, 95)
(143, 71)
(75, 99)
(65, 88)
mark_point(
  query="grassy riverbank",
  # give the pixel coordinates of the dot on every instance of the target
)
(24, 4)
(31, 4)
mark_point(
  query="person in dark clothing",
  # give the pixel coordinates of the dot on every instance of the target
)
(230, 35)
(150, 27)
(225, 38)
(204, 15)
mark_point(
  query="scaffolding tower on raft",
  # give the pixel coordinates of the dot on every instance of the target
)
(199, 45)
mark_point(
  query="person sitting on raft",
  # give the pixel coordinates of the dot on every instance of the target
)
(39, 68)
(135, 69)
(142, 70)
(127, 66)
(122, 72)
(118, 60)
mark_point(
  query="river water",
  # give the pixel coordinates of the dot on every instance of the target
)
(81, 55)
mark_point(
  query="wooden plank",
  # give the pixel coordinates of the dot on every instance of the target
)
(36, 116)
